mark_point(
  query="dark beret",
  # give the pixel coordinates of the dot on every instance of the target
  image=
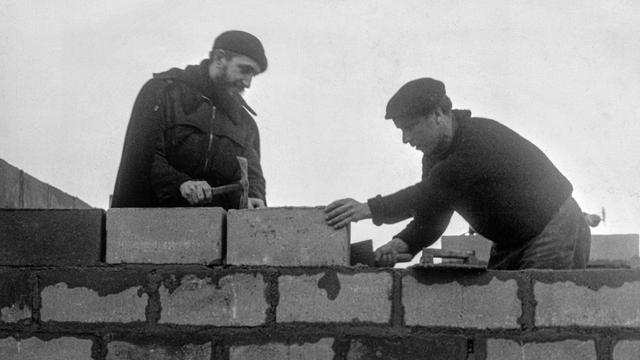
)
(417, 97)
(242, 43)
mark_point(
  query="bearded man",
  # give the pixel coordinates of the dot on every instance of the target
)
(189, 127)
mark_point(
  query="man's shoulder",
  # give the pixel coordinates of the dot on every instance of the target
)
(480, 126)
(156, 86)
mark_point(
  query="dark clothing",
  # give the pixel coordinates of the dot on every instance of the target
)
(565, 243)
(184, 127)
(502, 184)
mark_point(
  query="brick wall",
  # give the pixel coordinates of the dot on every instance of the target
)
(261, 312)
(67, 302)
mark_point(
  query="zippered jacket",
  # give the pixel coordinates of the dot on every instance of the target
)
(184, 127)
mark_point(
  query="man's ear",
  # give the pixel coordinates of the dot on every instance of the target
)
(438, 115)
(218, 58)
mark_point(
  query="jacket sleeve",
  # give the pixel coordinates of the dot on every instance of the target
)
(165, 179)
(133, 183)
(257, 183)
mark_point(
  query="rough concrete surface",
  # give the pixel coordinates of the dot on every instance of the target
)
(321, 350)
(565, 303)
(288, 236)
(16, 296)
(35, 193)
(121, 350)
(414, 348)
(614, 247)
(334, 297)
(626, 350)
(165, 235)
(61, 303)
(10, 186)
(65, 348)
(236, 300)
(494, 305)
(51, 237)
(501, 349)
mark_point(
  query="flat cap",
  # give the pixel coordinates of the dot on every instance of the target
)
(242, 43)
(417, 97)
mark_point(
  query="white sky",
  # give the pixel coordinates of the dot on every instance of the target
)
(565, 75)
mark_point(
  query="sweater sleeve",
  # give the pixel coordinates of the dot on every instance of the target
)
(428, 202)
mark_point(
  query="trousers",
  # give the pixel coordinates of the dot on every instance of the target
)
(564, 243)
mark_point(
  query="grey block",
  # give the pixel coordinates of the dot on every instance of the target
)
(287, 236)
(614, 247)
(51, 237)
(165, 235)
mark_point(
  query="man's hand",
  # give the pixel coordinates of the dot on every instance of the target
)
(392, 252)
(341, 212)
(196, 192)
(256, 203)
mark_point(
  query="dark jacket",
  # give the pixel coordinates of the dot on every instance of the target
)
(183, 127)
(502, 184)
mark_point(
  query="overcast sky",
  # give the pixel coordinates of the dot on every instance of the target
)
(565, 75)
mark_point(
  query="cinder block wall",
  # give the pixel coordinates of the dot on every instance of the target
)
(67, 303)
(262, 312)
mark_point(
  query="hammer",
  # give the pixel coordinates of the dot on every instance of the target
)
(241, 185)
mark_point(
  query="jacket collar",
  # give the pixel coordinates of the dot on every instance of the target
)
(197, 76)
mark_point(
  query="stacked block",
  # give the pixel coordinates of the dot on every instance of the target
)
(285, 237)
(51, 237)
(165, 235)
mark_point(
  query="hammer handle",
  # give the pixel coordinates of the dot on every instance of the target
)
(226, 189)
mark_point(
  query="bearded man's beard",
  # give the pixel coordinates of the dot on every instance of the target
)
(232, 87)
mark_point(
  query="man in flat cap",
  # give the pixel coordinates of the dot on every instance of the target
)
(189, 128)
(503, 185)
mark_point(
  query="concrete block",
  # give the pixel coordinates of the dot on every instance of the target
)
(121, 350)
(614, 247)
(10, 186)
(16, 296)
(410, 348)
(165, 235)
(334, 297)
(484, 304)
(626, 349)
(477, 243)
(93, 296)
(565, 303)
(502, 349)
(320, 350)
(35, 193)
(285, 237)
(51, 237)
(233, 300)
(64, 348)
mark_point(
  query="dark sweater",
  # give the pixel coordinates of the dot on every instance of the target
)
(502, 184)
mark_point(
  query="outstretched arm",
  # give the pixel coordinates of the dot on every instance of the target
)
(344, 211)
